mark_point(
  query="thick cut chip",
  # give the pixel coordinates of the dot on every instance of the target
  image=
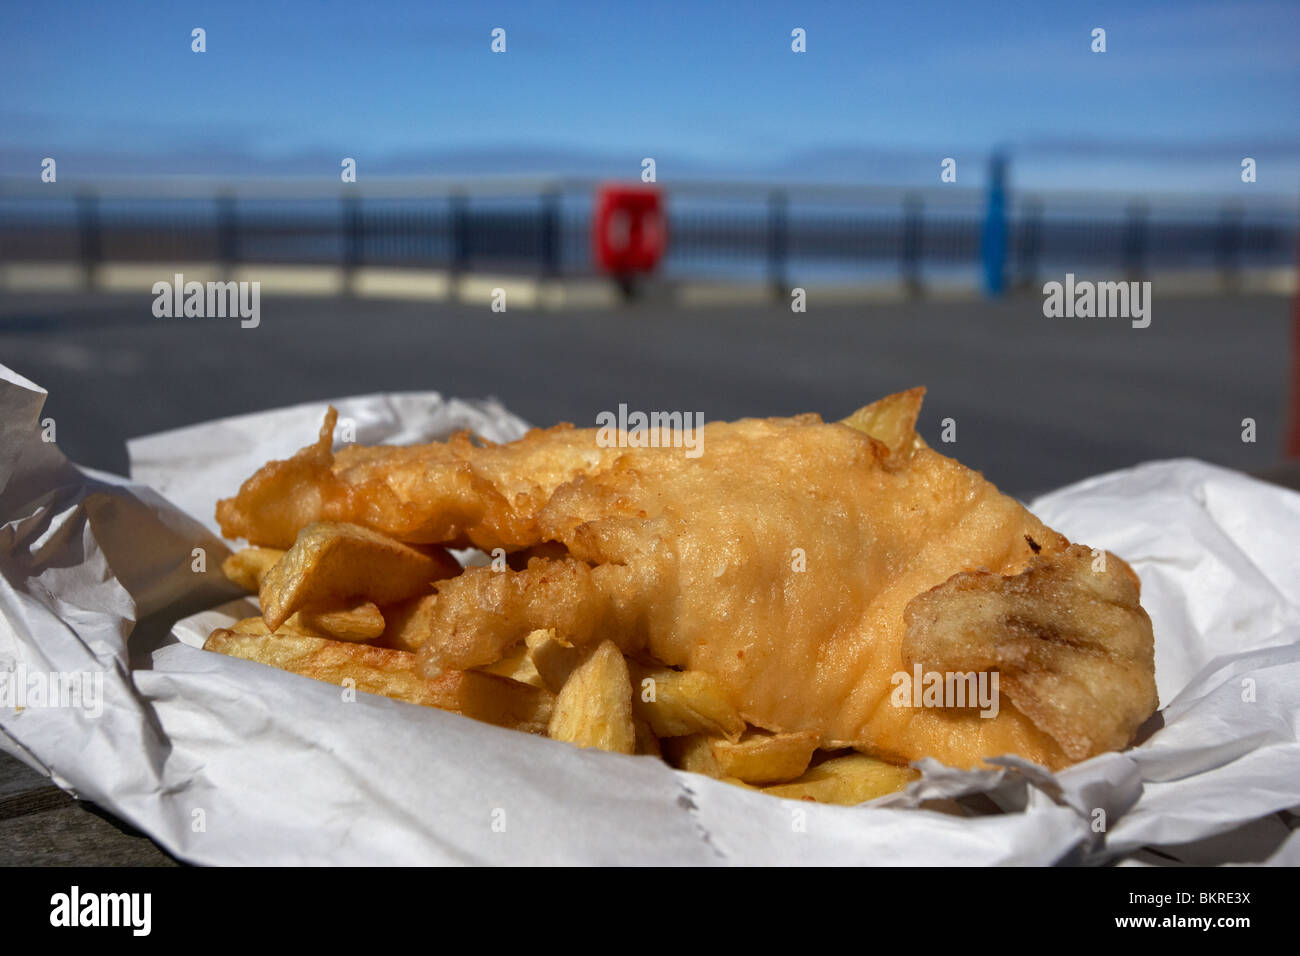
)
(332, 564)
(764, 758)
(692, 753)
(360, 622)
(380, 670)
(517, 665)
(351, 624)
(553, 657)
(678, 703)
(647, 743)
(290, 628)
(247, 567)
(594, 707)
(407, 624)
(541, 660)
(892, 422)
(846, 781)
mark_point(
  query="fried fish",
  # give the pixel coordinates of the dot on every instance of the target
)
(810, 568)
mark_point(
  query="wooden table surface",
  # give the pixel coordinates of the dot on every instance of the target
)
(40, 825)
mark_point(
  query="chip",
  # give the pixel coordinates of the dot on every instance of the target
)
(333, 564)
(381, 670)
(678, 703)
(759, 757)
(594, 707)
(247, 567)
(847, 781)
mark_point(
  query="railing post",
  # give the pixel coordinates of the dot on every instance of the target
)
(90, 235)
(993, 244)
(1227, 246)
(458, 207)
(913, 236)
(550, 234)
(1135, 241)
(227, 233)
(778, 244)
(1029, 238)
(353, 237)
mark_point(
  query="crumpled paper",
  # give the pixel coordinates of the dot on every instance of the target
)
(223, 761)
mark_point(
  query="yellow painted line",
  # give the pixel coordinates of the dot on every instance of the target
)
(580, 294)
(141, 276)
(41, 276)
(402, 284)
(481, 289)
(575, 293)
(292, 280)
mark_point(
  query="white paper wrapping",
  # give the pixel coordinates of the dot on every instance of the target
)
(223, 761)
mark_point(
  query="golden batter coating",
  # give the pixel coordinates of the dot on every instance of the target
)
(802, 564)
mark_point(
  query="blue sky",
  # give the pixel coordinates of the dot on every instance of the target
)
(709, 89)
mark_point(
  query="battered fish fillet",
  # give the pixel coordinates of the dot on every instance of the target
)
(456, 493)
(807, 566)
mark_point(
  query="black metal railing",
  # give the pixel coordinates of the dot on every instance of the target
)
(779, 235)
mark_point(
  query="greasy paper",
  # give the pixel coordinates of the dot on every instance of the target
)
(225, 761)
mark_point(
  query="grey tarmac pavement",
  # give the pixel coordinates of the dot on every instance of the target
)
(1037, 402)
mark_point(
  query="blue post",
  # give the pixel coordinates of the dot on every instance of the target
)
(993, 243)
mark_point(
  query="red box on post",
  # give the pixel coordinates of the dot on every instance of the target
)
(628, 230)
